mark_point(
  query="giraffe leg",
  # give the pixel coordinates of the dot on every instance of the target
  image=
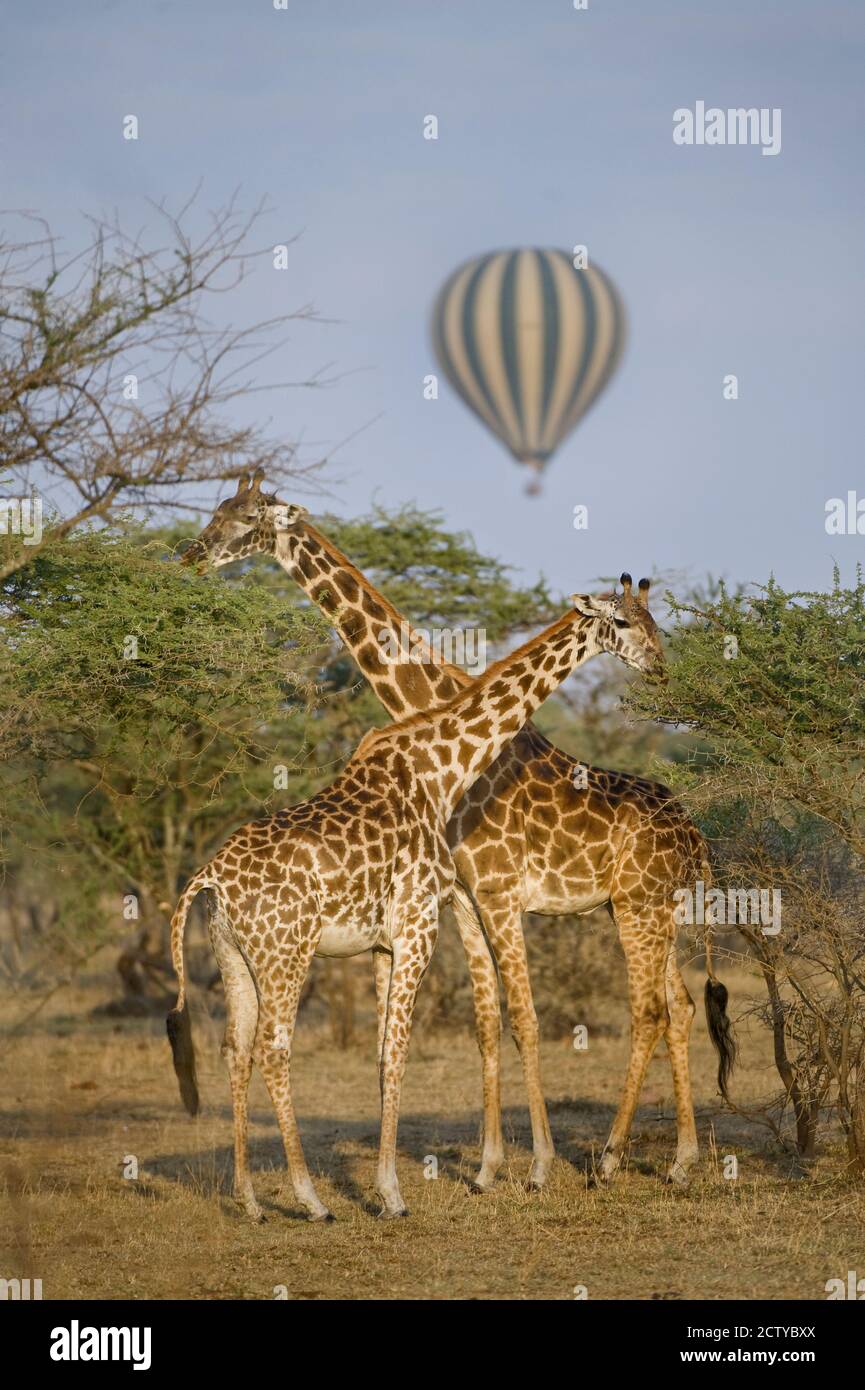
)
(646, 943)
(412, 951)
(502, 920)
(241, 1004)
(680, 1007)
(382, 963)
(488, 1028)
(277, 1018)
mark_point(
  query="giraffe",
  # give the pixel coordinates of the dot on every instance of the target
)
(364, 866)
(540, 832)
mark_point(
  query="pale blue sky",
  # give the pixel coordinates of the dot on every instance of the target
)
(555, 127)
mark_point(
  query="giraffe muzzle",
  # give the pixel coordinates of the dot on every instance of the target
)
(194, 554)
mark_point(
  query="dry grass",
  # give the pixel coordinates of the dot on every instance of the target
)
(83, 1093)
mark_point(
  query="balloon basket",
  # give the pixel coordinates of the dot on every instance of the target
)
(536, 468)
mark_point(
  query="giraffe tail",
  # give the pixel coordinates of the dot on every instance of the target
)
(716, 997)
(178, 1022)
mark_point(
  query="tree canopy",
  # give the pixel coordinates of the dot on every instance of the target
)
(775, 682)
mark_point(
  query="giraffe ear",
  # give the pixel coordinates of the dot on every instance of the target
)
(284, 515)
(591, 607)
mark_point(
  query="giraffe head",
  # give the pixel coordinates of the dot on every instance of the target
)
(243, 525)
(625, 627)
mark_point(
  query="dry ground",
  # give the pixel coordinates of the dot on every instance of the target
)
(83, 1095)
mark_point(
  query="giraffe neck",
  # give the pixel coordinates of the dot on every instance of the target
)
(452, 746)
(397, 661)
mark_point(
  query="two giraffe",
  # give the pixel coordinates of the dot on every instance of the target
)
(529, 834)
(365, 866)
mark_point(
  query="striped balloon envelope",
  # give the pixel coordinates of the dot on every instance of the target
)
(528, 342)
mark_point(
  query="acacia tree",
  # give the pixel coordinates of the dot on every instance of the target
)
(813, 971)
(149, 711)
(116, 383)
(774, 683)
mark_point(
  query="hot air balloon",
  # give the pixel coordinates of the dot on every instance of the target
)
(529, 342)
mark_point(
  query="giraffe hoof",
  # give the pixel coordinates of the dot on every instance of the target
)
(387, 1215)
(607, 1170)
(538, 1177)
(255, 1215)
(677, 1177)
(323, 1216)
(478, 1188)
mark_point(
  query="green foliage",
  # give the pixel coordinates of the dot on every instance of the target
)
(105, 636)
(773, 683)
(145, 710)
(586, 720)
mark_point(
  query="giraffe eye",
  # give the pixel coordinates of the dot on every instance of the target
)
(621, 622)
